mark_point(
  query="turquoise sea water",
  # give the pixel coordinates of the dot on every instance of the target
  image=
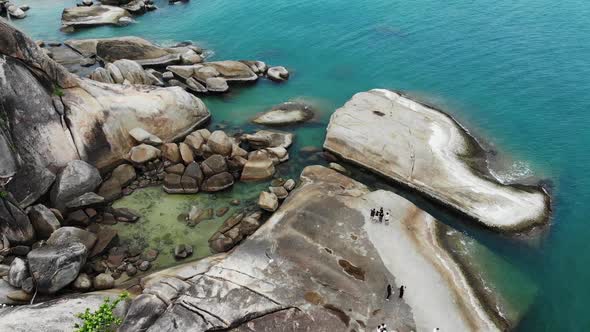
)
(516, 72)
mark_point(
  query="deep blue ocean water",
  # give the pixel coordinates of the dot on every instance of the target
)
(516, 72)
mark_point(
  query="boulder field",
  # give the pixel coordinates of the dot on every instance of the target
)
(426, 150)
(320, 264)
(50, 117)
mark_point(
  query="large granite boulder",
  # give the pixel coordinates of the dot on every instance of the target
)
(77, 178)
(214, 165)
(54, 267)
(14, 223)
(101, 137)
(55, 117)
(83, 17)
(322, 256)
(232, 71)
(428, 151)
(34, 138)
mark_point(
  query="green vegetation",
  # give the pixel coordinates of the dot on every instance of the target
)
(3, 194)
(57, 91)
(103, 319)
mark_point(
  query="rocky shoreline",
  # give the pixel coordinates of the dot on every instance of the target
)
(305, 256)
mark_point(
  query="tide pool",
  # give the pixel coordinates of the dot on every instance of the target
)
(515, 72)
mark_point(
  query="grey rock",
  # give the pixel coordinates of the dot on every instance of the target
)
(278, 73)
(82, 282)
(103, 281)
(194, 171)
(44, 221)
(288, 113)
(289, 184)
(216, 84)
(54, 267)
(143, 153)
(280, 192)
(85, 200)
(14, 223)
(171, 152)
(66, 235)
(18, 272)
(76, 179)
(269, 139)
(143, 312)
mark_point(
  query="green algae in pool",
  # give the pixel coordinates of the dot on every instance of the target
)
(159, 226)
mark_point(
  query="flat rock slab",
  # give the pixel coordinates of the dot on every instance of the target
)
(428, 151)
(317, 265)
(93, 16)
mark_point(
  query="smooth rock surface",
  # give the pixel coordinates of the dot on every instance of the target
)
(285, 114)
(321, 253)
(80, 17)
(427, 150)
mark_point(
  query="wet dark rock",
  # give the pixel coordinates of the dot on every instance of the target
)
(106, 237)
(14, 223)
(183, 251)
(143, 312)
(218, 182)
(77, 218)
(19, 250)
(125, 214)
(86, 200)
(44, 221)
(176, 169)
(214, 165)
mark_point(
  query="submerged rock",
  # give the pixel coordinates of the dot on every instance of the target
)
(286, 114)
(428, 151)
(278, 73)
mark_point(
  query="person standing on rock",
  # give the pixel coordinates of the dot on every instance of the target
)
(388, 292)
(387, 218)
(372, 214)
(401, 291)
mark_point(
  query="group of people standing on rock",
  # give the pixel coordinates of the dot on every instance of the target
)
(377, 215)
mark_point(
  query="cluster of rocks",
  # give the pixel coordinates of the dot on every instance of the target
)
(206, 77)
(212, 162)
(109, 12)
(269, 200)
(10, 10)
(44, 249)
(234, 229)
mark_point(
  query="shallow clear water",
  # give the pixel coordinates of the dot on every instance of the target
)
(162, 225)
(515, 72)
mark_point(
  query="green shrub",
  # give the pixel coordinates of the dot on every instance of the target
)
(103, 319)
(3, 194)
(57, 91)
